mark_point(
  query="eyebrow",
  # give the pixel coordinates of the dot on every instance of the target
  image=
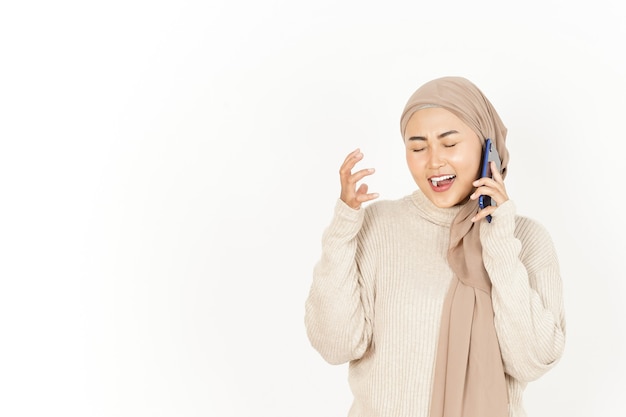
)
(441, 136)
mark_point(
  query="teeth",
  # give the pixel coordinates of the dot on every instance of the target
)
(435, 180)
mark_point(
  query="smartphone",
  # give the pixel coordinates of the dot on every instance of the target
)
(490, 153)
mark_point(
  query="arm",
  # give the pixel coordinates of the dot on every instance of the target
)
(526, 293)
(339, 308)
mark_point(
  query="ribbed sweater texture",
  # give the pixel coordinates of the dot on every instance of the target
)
(377, 294)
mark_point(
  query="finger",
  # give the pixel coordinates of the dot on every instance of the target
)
(482, 190)
(497, 197)
(489, 187)
(497, 176)
(350, 161)
(496, 194)
(362, 196)
(352, 154)
(484, 213)
(358, 176)
(485, 182)
(362, 189)
(494, 189)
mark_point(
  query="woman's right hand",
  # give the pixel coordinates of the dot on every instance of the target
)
(351, 195)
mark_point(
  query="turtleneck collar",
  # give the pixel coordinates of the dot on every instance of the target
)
(432, 213)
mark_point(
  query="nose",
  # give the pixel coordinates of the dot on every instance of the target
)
(435, 161)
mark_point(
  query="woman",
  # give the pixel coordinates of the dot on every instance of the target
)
(439, 312)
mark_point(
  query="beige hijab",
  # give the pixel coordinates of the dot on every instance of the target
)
(469, 376)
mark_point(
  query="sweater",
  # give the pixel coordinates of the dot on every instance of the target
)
(377, 294)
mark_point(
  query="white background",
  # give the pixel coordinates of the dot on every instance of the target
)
(167, 169)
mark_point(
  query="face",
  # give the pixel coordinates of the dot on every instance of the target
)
(443, 154)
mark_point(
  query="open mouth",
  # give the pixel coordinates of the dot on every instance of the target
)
(442, 181)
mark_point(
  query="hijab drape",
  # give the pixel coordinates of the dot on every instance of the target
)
(469, 378)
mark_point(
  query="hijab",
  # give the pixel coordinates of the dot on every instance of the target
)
(469, 379)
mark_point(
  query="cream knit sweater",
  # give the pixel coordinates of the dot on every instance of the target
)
(378, 291)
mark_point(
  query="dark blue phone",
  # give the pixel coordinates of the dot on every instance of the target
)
(490, 153)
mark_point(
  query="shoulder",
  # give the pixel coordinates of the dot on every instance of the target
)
(531, 230)
(388, 209)
(387, 216)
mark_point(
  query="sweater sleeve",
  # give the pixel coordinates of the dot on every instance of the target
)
(526, 293)
(338, 310)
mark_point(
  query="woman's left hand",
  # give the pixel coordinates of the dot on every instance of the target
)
(494, 188)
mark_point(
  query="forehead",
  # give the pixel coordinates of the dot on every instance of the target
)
(433, 118)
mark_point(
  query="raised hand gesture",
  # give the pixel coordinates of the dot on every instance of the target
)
(350, 194)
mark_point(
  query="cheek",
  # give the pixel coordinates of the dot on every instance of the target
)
(414, 163)
(467, 161)
(410, 160)
(474, 163)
